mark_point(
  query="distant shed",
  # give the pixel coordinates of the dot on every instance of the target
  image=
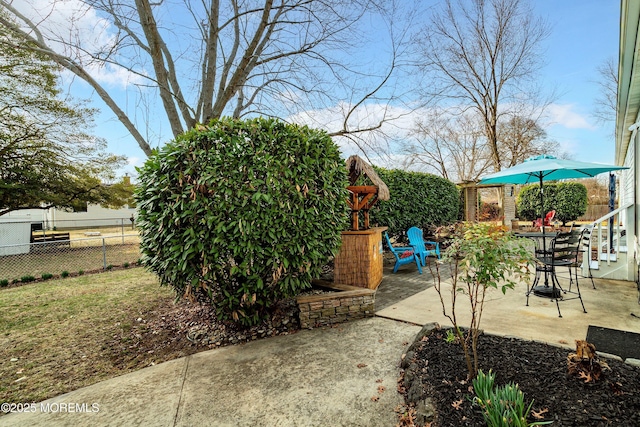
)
(15, 236)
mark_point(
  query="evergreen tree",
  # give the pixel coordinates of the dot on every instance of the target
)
(47, 157)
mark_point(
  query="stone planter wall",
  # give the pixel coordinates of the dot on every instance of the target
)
(343, 303)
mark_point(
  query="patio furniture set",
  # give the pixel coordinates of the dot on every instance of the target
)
(553, 251)
(565, 250)
(417, 252)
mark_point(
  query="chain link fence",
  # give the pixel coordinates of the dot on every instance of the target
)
(29, 249)
(120, 225)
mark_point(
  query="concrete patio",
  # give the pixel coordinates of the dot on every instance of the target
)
(613, 304)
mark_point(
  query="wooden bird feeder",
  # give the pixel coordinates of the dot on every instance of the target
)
(363, 197)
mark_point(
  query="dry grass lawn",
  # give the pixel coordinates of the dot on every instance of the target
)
(59, 335)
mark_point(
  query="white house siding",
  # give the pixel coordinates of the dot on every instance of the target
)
(628, 112)
(634, 164)
(627, 176)
(629, 186)
(95, 216)
(627, 180)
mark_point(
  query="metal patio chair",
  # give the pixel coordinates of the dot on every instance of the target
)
(585, 251)
(564, 251)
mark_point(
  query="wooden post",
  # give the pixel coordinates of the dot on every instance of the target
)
(369, 194)
(354, 211)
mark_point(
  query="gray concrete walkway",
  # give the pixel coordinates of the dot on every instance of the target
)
(317, 377)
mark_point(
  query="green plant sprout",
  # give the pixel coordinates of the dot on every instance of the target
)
(502, 406)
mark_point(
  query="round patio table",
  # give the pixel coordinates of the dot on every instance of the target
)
(545, 290)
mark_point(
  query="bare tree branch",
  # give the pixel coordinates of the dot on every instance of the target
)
(450, 145)
(224, 56)
(607, 81)
(66, 62)
(479, 53)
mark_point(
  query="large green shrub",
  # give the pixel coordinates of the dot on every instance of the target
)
(417, 199)
(242, 213)
(568, 199)
(571, 201)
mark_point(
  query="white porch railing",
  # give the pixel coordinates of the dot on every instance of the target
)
(610, 245)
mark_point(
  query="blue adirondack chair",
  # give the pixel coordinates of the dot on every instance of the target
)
(419, 245)
(404, 255)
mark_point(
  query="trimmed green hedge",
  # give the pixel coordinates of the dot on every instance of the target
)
(241, 214)
(569, 199)
(417, 199)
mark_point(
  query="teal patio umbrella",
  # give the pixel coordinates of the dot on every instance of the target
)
(546, 168)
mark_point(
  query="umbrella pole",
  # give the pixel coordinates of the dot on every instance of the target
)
(544, 239)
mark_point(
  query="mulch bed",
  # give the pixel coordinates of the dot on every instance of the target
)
(176, 330)
(541, 372)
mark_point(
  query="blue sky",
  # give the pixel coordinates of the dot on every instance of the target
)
(584, 33)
